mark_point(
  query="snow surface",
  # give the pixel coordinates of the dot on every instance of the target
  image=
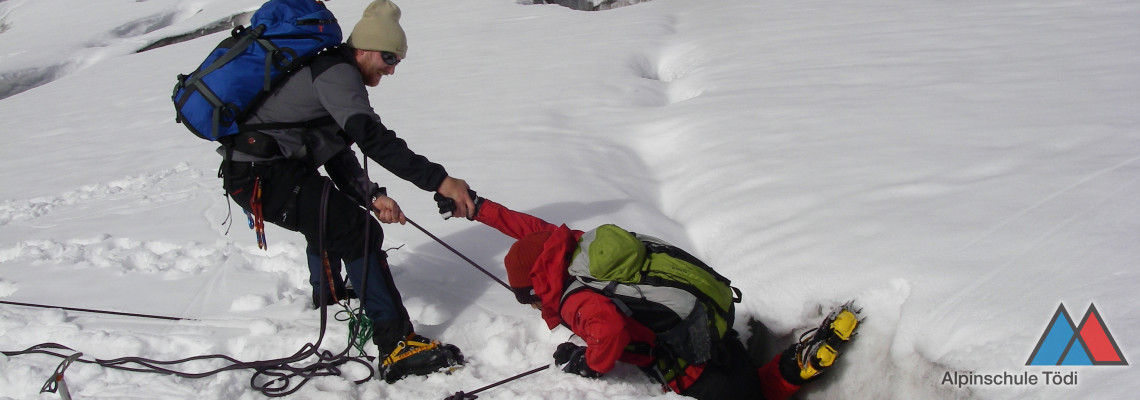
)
(961, 168)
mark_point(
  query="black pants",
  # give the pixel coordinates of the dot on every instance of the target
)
(732, 378)
(291, 196)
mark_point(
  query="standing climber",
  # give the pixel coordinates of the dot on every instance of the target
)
(273, 172)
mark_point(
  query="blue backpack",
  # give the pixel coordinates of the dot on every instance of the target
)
(241, 71)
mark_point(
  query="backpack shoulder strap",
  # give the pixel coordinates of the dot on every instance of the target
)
(322, 62)
(606, 288)
(331, 57)
(655, 245)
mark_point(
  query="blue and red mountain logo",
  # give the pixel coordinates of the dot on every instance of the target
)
(1064, 343)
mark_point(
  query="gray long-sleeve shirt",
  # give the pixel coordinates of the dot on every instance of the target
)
(331, 85)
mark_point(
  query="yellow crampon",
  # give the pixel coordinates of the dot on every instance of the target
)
(418, 355)
(817, 352)
(407, 348)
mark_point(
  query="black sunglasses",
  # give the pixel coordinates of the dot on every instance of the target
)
(389, 58)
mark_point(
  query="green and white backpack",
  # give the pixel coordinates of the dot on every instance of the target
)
(686, 303)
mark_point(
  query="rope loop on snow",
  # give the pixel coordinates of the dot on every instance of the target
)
(273, 378)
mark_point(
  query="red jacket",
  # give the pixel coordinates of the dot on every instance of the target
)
(590, 315)
(594, 317)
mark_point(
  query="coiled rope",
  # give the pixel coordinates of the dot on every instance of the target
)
(273, 378)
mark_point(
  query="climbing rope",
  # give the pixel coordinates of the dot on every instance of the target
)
(273, 378)
(359, 328)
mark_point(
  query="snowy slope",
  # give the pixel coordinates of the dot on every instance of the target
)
(960, 168)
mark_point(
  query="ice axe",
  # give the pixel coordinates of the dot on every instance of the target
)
(56, 384)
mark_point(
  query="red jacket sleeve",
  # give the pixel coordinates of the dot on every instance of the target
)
(511, 223)
(594, 318)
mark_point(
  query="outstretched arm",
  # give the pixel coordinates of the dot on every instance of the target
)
(341, 92)
(511, 223)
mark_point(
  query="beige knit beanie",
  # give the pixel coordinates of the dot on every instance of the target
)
(379, 30)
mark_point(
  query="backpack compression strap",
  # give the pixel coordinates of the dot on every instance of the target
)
(252, 141)
(194, 81)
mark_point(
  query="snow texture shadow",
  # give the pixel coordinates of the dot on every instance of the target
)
(214, 27)
(586, 5)
(19, 81)
(145, 25)
(16, 82)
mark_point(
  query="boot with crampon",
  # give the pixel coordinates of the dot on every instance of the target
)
(819, 348)
(418, 355)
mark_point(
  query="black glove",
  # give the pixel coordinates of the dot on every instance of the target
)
(574, 358)
(563, 352)
(447, 205)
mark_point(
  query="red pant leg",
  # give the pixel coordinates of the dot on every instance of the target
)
(773, 385)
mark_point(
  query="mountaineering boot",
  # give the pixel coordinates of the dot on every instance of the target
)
(815, 352)
(418, 355)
